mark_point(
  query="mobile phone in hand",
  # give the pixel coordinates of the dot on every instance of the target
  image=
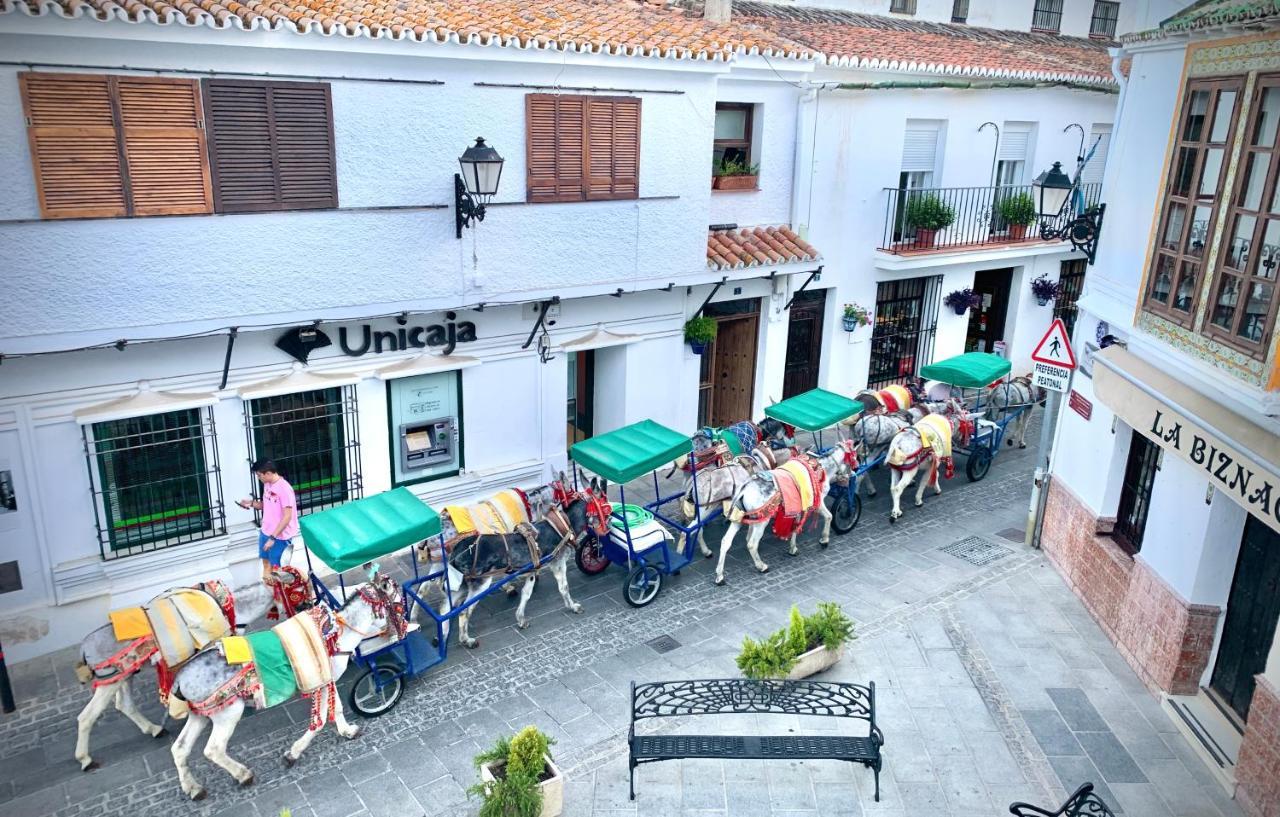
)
(245, 503)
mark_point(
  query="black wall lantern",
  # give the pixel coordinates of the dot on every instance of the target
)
(1052, 191)
(477, 184)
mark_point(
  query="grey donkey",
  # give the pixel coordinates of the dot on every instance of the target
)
(251, 604)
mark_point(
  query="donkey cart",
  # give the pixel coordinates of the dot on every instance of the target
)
(977, 378)
(814, 411)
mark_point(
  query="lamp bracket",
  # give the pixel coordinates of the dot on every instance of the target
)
(466, 210)
(1082, 231)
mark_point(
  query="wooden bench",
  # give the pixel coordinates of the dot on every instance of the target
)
(741, 696)
(1084, 803)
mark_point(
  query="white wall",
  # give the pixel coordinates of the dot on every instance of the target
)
(773, 149)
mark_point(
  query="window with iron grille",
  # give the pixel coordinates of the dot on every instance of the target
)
(1047, 16)
(903, 6)
(156, 481)
(1071, 278)
(960, 11)
(1135, 493)
(1103, 24)
(312, 438)
(903, 333)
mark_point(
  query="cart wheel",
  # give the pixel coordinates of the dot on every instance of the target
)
(642, 586)
(370, 700)
(590, 557)
(845, 516)
(978, 465)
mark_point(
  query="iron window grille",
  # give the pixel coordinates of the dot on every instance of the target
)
(902, 6)
(155, 480)
(1105, 15)
(1071, 277)
(960, 11)
(1047, 16)
(313, 438)
(903, 335)
(1135, 493)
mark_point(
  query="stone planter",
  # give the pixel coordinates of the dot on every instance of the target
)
(552, 788)
(925, 239)
(815, 661)
(735, 182)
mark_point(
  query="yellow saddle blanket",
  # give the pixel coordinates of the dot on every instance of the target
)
(237, 650)
(304, 645)
(185, 621)
(129, 623)
(499, 513)
(804, 483)
(935, 433)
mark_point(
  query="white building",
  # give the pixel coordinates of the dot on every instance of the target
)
(1161, 510)
(236, 193)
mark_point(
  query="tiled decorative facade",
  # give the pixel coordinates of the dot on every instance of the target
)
(1234, 57)
(1258, 769)
(1166, 639)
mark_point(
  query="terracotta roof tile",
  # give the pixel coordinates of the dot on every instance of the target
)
(756, 247)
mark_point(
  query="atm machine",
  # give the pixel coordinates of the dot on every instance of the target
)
(425, 443)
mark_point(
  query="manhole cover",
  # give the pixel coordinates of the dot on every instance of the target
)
(977, 551)
(1012, 534)
(663, 644)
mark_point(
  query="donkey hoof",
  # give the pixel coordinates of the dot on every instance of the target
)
(289, 760)
(764, 569)
(892, 519)
(522, 624)
(708, 555)
(920, 504)
(471, 643)
(823, 545)
(1022, 445)
(248, 781)
(576, 608)
(199, 795)
(352, 734)
(163, 733)
(90, 766)
(719, 582)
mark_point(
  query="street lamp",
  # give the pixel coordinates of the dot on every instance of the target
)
(1052, 191)
(477, 184)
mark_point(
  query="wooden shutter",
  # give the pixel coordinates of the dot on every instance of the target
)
(613, 148)
(271, 145)
(164, 145)
(555, 130)
(75, 147)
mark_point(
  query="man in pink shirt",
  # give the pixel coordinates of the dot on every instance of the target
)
(279, 509)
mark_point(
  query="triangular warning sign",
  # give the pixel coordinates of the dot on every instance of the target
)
(1055, 347)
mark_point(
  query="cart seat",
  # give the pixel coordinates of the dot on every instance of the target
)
(644, 536)
(381, 642)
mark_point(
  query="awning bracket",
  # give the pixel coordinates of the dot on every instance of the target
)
(542, 316)
(226, 361)
(806, 283)
(724, 280)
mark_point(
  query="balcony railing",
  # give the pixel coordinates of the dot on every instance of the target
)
(977, 221)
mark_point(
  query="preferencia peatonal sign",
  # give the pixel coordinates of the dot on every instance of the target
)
(1053, 360)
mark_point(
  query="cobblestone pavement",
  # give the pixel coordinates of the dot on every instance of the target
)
(993, 685)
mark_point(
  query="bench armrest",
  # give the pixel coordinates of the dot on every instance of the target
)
(876, 735)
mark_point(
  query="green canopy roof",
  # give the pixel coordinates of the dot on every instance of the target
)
(350, 535)
(968, 371)
(624, 454)
(814, 410)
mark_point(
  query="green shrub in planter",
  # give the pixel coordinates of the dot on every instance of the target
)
(1018, 208)
(514, 792)
(700, 330)
(775, 655)
(925, 211)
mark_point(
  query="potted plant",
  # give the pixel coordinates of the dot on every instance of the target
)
(1045, 290)
(855, 315)
(1019, 211)
(518, 777)
(927, 214)
(807, 645)
(699, 332)
(962, 299)
(732, 174)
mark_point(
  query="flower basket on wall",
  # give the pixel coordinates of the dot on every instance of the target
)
(855, 316)
(962, 300)
(730, 174)
(1045, 290)
(699, 332)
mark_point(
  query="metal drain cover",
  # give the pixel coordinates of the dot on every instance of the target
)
(662, 644)
(977, 551)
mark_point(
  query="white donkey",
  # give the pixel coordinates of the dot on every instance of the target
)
(1011, 396)
(218, 692)
(757, 502)
(872, 434)
(107, 660)
(909, 452)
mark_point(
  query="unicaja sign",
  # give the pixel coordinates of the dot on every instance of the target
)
(402, 338)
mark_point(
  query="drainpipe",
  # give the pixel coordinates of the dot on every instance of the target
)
(803, 164)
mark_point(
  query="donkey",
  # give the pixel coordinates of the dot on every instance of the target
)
(218, 692)
(719, 484)
(1012, 395)
(708, 450)
(872, 433)
(101, 653)
(477, 561)
(758, 501)
(908, 453)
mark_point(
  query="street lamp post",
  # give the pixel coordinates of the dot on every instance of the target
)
(477, 184)
(1052, 191)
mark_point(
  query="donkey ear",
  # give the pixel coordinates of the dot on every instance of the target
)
(562, 476)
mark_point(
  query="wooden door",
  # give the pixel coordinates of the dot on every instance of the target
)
(1250, 625)
(733, 369)
(804, 343)
(986, 321)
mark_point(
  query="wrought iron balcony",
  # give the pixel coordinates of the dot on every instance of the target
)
(976, 220)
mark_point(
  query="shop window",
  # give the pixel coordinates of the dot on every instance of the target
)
(582, 147)
(155, 481)
(426, 426)
(1135, 492)
(1105, 15)
(1047, 16)
(313, 439)
(271, 145)
(734, 129)
(1242, 307)
(903, 334)
(104, 145)
(1191, 203)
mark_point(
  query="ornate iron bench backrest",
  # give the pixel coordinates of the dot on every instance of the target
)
(1084, 803)
(743, 696)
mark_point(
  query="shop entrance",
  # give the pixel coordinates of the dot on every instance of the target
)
(1250, 625)
(728, 377)
(582, 391)
(986, 321)
(804, 343)
(905, 325)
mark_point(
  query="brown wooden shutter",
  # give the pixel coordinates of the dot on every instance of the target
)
(75, 148)
(271, 145)
(613, 148)
(164, 145)
(556, 149)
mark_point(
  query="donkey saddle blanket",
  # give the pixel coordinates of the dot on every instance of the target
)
(183, 622)
(290, 657)
(499, 513)
(800, 485)
(935, 433)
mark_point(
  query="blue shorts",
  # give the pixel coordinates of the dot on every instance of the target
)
(271, 549)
